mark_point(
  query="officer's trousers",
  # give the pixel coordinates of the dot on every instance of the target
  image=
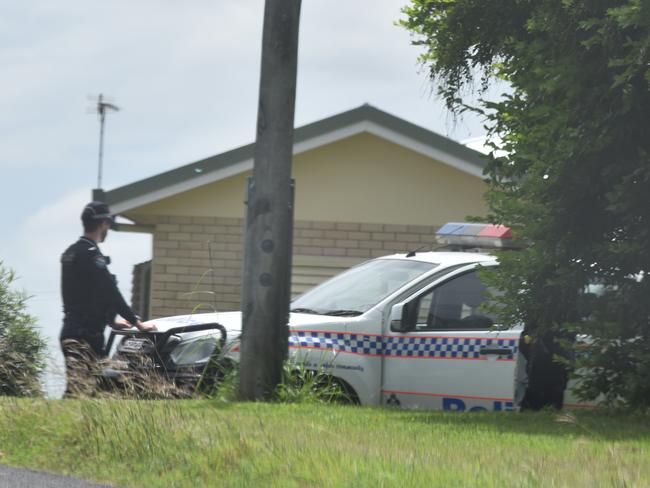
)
(82, 354)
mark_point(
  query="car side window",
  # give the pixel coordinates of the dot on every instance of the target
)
(455, 305)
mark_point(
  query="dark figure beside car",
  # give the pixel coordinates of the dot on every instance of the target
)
(91, 300)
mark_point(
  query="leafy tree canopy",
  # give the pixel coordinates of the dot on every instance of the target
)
(575, 182)
(21, 347)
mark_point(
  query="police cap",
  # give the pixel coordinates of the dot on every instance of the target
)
(96, 211)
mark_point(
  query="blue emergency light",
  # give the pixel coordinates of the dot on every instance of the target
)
(471, 235)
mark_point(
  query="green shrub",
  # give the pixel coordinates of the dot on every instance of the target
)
(299, 385)
(22, 349)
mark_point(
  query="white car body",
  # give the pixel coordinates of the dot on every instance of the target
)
(430, 368)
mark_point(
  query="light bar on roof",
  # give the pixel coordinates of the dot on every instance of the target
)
(471, 235)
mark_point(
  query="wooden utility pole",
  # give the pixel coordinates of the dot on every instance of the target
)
(269, 216)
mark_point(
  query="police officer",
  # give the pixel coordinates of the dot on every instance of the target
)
(91, 301)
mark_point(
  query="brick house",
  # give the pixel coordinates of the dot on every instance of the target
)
(367, 184)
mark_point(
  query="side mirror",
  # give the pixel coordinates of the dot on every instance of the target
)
(402, 316)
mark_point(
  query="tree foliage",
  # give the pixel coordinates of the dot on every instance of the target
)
(575, 180)
(21, 347)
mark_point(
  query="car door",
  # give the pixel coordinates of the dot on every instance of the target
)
(453, 358)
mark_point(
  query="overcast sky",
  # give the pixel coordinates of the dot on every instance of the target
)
(185, 76)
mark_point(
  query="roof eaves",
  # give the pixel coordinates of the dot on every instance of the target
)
(221, 162)
(425, 136)
(182, 173)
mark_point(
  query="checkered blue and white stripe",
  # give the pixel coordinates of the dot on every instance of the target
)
(337, 341)
(400, 346)
(443, 347)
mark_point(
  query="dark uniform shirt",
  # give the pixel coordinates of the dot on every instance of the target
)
(91, 298)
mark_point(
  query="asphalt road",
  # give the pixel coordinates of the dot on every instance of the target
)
(26, 478)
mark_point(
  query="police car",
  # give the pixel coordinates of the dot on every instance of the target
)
(405, 330)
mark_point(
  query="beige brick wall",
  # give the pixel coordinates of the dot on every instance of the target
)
(183, 275)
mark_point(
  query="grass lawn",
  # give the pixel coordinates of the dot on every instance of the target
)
(202, 443)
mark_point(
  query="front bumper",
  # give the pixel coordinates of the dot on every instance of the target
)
(150, 368)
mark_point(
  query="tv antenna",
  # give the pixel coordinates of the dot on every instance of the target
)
(102, 108)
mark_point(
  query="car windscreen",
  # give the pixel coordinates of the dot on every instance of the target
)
(358, 289)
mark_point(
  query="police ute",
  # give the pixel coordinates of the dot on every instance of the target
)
(404, 330)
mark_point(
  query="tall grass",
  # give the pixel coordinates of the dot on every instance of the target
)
(219, 381)
(305, 385)
(206, 443)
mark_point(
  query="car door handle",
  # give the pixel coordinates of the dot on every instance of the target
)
(495, 351)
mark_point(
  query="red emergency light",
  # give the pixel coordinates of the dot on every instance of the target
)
(473, 235)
